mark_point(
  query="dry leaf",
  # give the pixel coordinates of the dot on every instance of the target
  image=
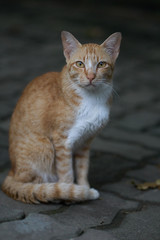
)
(147, 185)
(158, 182)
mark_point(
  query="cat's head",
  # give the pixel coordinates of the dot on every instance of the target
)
(91, 65)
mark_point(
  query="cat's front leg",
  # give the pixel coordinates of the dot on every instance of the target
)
(64, 166)
(81, 158)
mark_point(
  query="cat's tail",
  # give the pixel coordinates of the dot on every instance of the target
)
(47, 192)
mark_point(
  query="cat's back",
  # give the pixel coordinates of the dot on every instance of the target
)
(39, 90)
(44, 84)
(37, 97)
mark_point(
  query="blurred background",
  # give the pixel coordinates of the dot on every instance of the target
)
(30, 45)
(30, 42)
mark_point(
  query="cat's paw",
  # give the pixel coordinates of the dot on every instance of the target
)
(93, 194)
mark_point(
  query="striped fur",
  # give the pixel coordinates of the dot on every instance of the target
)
(54, 122)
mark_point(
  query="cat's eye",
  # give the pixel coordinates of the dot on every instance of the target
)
(80, 64)
(102, 64)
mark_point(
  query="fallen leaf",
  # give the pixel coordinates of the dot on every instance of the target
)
(147, 185)
(158, 182)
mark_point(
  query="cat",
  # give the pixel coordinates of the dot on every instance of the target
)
(54, 122)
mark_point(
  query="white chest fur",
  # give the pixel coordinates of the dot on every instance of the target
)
(91, 116)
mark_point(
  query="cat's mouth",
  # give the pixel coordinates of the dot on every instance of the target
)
(89, 86)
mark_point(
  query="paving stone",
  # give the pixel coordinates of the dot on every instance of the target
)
(139, 97)
(14, 74)
(139, 225)
(3, 140)
(5, 110)
(117, 110)
(156, 106)
(144, 139)
(155, 131)
(8, 89)
(4, 125)
(10, 204)
(37, 226)
(3, 174)
(154, 161)
(127, 190)
(127, 150)
(95, 235)
(10, 214)
(106, 168)
(139, 120)
(62, 224)
(149, 173)
(4, 157)
(94, 213)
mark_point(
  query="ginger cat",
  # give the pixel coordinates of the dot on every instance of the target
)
(54, 122)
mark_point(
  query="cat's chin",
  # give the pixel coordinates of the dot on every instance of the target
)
(89, 86)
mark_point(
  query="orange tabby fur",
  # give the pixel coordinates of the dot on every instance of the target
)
(40, 152)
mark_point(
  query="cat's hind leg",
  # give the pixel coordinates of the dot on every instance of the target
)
(33, 156)
(28, 182)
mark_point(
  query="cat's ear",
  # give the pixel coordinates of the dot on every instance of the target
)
(70, 44)
(112, 45)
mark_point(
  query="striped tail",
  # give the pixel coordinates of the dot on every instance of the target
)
(47, 192)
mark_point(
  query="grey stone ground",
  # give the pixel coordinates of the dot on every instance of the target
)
(128, 149)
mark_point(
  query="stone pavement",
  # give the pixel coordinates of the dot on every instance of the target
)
(127, 150)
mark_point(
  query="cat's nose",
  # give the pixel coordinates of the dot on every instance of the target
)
(91, 76)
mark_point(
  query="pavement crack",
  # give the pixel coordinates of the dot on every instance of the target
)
(55, 211)
(131, 199)
(117, 220)
(14, 219)
(122, 197)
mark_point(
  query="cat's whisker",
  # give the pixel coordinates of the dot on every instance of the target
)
(113, 90)
(110, 85)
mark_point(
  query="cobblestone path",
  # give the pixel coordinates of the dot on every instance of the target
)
(127, 150)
